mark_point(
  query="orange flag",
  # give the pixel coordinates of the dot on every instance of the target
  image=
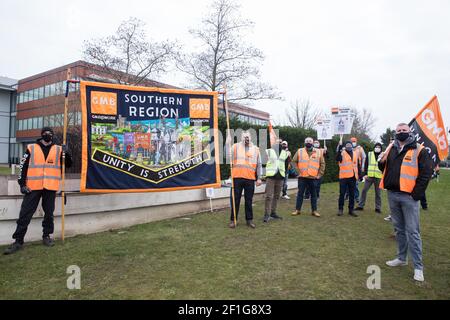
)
(272, 135)
(429, 129)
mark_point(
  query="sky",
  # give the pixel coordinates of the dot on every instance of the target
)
(390, 57)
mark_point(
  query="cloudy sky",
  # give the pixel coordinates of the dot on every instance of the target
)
(390, 56)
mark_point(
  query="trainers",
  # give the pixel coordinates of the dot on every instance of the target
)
(296, 213)
(276, 216)
(266, 219)
(16, 246)
(388, 218)
(315, 214)
(286, 197)
(359, 209)
(418, 275)
(250, 224)
(396, 263)
(47, 241)
(352, 213)
(232, 225)
(340, 212)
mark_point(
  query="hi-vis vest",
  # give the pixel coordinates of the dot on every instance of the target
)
(275, 163)
(372, 167)
(244, 163)
(44, 173)
(308, 166)
(348, 167)
(409, 171)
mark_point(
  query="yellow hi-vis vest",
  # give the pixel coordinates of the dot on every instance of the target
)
(44, 173)
(372, 167)
(275, 164)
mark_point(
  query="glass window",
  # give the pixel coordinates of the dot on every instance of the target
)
(45, 121)
(51, 120)
(39, 123)
(30, 123)
(35, 123)
(47, 91)
(25, 124)
(19, 97)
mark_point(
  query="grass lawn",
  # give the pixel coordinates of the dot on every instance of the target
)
(4, 171)
(200, 258)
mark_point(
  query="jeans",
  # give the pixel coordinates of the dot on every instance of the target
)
(347, 184)
(367, 185)
(356, 191)
(29, 205)
(273, 190)
(317, 184)
(306, 184)
(248, 187)
(405, 218)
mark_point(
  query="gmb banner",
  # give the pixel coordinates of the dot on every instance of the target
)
(139, 139)
(429, 130)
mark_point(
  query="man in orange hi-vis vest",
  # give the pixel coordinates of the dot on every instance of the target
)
(247, 169)
(349, 172)
(407, 169)
(310, 166)
(39, 177)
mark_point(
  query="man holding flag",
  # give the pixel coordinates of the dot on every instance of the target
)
(407, 168)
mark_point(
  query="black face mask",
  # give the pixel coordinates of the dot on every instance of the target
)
(308, 145)
(402, 136)
(47, 137)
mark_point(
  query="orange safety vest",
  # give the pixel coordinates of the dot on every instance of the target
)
(409, 171)
(44, 173)
(348, 167)
(244, 163)
(308, 166)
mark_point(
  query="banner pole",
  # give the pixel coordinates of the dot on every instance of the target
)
(233, 200)
(63, 173)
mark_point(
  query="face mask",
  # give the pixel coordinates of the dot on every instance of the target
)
(47, 137)
(308, 145)
(402, 136)
(283, 147)
(354, 144)
(317, 145)
(377, 150)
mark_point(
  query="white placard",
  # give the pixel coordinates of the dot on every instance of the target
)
(209, 192)
(324, 129)
(342, 120)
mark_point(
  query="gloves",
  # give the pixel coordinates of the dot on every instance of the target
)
(25, 190)
(64, 148)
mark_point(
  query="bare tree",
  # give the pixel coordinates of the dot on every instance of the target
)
(127, 55)
(303, 114)
(363, 124)
(225, 58)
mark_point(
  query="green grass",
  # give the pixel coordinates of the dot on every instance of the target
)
(4, 171)
(200, 258)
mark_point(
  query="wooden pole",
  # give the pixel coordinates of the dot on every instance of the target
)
(63, 173)
(233, 200)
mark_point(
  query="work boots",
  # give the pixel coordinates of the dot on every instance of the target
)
(16, 246)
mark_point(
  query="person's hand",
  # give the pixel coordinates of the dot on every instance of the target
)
(258, 182)
(64, 148)
(25, 190)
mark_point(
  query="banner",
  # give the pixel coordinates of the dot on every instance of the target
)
(139, 139)
(324, 129)
(428, 127)
(342, 120)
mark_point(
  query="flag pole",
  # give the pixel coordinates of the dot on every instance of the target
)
(63, 173)
(233, 200)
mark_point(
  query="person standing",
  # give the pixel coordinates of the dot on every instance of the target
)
(361, 156)
(318, 182)
(247, 169)
(348, 175)
(407, 169)
(275, 174)
(311, 167)
(372, 177)
(284, 146)
(39, 177)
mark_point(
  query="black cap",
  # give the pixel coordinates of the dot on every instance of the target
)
(47, 129)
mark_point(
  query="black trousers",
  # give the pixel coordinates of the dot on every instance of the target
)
(347, 184)
(248, 186)
(29, 205)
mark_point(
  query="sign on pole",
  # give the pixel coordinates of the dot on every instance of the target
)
(324, 129)
(342, 120)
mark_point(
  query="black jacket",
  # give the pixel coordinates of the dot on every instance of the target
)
(26, 161)
(393, 164)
